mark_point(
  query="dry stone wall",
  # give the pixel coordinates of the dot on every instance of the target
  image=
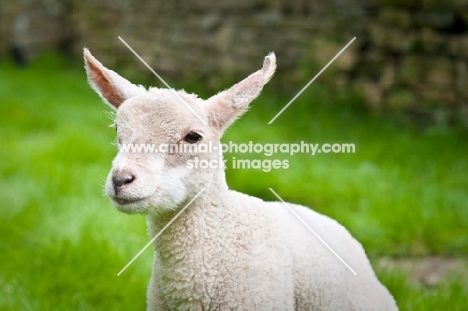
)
(407, 55)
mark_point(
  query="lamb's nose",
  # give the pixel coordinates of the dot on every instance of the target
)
(121, 178)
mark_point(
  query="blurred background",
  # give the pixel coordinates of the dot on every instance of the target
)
(399, 93)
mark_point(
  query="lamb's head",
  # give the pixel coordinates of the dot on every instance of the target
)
(160, 133)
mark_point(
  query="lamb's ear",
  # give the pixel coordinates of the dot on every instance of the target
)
(225, 107)
(112, 88)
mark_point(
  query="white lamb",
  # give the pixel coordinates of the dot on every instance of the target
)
(227, 250)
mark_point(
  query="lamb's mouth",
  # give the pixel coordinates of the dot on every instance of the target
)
(126, 201)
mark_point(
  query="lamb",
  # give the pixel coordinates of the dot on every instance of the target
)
(227, 250)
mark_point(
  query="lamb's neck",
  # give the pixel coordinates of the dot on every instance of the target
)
(206, 205)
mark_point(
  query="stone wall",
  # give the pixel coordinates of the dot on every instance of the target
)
(409, 54)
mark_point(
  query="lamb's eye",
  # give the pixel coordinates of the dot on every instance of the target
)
(192, 137)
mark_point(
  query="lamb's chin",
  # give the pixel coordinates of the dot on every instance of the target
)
(130, 206)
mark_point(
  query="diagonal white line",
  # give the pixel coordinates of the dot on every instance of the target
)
(162, 80)
(160, 232)
(313, 231)
(310, 82)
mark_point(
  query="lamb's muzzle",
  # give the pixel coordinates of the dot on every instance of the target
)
(120, 179)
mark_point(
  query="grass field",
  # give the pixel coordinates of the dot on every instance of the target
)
(404, 193)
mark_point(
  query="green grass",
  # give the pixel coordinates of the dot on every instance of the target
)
(447, 295)
(403, 193)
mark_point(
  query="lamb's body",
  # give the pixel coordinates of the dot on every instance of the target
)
(226, 251)
(246, 254)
